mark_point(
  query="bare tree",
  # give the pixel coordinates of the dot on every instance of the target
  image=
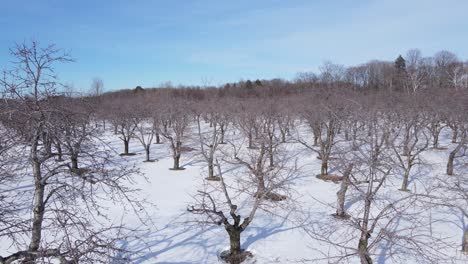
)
(462, 127)
(324, 121)
(210, 140)
(124, 118)
(247, 121)
(97, 87)
(415, 71)
(208, 206)
(145, 128)
(259, 182)
(178, 118)
(409, 141)
(63, 202)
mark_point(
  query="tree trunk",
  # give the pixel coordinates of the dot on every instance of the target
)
(210, 169)
(364, 251)
(47, 144)
(404, 184)
(260, 185)
(341, 194)
(234, 241)
(74, 161)
(270, 153)
(435, 142)
(38, 211)
(147, 152)
(176, 162)
(126, 146)
(250, 140)
(450, 163)
(406, 142)
(283, 136)
(59, 151)
(324, 167)
(465, 241)
(158, 139)
(221, 140)
(452, 157)
(454, 135)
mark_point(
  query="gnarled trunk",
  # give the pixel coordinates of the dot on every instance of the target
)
(452, 155)
(364, 251)
(235, 250)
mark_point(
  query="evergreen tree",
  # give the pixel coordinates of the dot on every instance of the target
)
(248, 85)
(400, 64)
(400, 73)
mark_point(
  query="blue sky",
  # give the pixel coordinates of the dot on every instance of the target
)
(130, 43)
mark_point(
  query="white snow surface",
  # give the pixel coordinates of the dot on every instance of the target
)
(171, 234)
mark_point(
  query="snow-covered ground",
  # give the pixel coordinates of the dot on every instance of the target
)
(281, 235)
(273, 237)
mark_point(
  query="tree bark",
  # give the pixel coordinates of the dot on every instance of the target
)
(147, 151)
(404, 184)
(176, 162)
(74, 161)
(221, 140)
(234, 241)
(324, 167)
(465, 241)
(435, 143)
(270, 152)
(260, 185)
(454, 135)
(283, 136)
(364, 251)
(38, 210)
(59, 151)
(210, 169)
(341, 194)
(451, 158)
(126, 146)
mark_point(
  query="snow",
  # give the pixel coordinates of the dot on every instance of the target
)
(171, 235)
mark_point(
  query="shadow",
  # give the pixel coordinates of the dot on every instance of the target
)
(383, 255)
(266, 231)
(171, 239)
